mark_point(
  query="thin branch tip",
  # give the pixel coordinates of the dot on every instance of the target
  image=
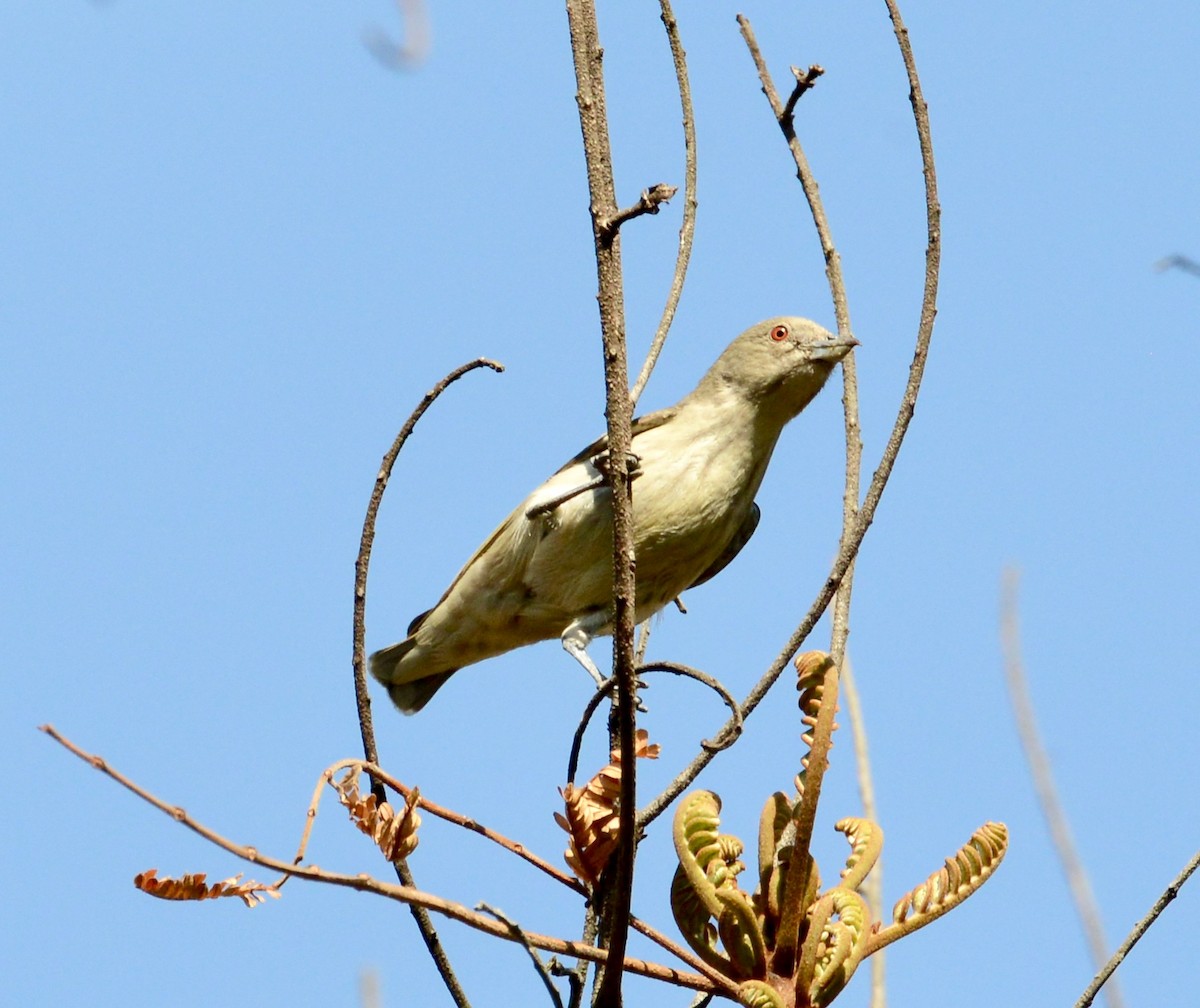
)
(650, 202)
(805, 79)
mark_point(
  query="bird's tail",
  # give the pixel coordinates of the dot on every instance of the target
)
(409, 697)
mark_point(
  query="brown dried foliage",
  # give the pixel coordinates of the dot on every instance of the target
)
(394, 833)
(591, 814)
(194, 887)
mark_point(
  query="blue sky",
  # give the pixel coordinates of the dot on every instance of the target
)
(237, 251)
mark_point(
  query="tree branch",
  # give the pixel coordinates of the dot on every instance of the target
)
(687, 229)
(1139, 929)
(873, 886)
(365, 883)
(588, 59)
(358, 660)
(650, 201)
(848, 549)
(1043, 784)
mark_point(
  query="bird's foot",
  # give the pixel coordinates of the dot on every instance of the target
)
(602, 463)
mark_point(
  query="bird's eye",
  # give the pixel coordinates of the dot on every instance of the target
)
(779, 333)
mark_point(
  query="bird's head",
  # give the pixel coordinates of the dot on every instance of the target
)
(779, 364)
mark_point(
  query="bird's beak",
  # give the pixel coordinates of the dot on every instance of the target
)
(833, 350)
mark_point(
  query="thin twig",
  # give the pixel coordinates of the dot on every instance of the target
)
(358, 661)
(578, 976)
(650, 202)
(723, 740)
(687, 229)
(848, 549)
(805, 79)
(365, 883)
(587, 57)
(873, 886)
(718, 978)
(784, 116)
(363, 561)
(1139, 929)
(415, 48)
(542, 972)
(643, 641)
(727, 737)
(1043, 783)
(377, 773)
(1178, 262)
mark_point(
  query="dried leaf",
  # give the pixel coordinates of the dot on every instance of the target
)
(194, 887)
(591, 819)
(394, 833)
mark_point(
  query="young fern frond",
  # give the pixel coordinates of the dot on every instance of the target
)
(833, 948)
(962, 875)
(759, 994)
(866, 842)
(789, 945)
(709, 864)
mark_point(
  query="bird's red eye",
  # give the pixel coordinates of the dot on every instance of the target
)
(779, 333)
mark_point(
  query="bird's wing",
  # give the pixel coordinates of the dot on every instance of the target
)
(509, 525)
(640, 426)
(740, 537)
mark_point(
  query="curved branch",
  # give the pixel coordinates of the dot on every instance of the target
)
(1038, 759)
(726, 738)
(363, 561)
(784, 116)
(687, 229)
(851, 542)
(1139, 929)
(400, 893)
(358, 660)
(402, 56)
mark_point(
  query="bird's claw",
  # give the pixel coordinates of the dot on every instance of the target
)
(602, 463)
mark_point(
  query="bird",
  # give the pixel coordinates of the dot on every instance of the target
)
(546, 571)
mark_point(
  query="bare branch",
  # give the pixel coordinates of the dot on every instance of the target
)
(837, 289)
(363, 561)
(649, 203)
(380, 775)
(873, 886)
(1178, 262)
(588, 60)
(358, 660)
(724, 739)
(848, 549)
(805, 79)
(687, 229)
(1043, 783)
(1139, 929)
(365, 883)
(519, 935)
(414, 50)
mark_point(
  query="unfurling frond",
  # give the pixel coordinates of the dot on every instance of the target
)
(774, 851)
(945, 889)
(705, 886)
(759, 994)
(866, 839)
(591, 819)
(790, 945)
(194, 887)
(394, 833)
(811, 667)
(839, 929)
